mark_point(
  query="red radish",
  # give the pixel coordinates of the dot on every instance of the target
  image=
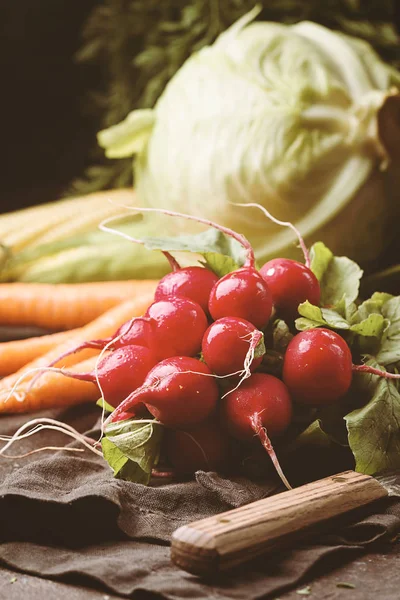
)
(180, 392)
(317, 367)
(242, 293)
(119, 373)
(261, 407)
(290, 283)
(206, 447)
(194, 283)
(302, 244)
(226, 344)
(169, 327)
(177, 327)
(137, 332)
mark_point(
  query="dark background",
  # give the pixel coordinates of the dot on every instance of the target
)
(45, 130)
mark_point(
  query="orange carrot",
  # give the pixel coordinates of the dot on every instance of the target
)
(15, 354)
(51, 390)
(102, 327)
(64, 305)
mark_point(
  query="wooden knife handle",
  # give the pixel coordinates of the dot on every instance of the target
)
(233, 537)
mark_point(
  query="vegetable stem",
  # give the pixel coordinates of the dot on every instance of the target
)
(374, 371)
(250, 261)
(175, 266)
(303, 246)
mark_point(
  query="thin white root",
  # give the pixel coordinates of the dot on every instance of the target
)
(302, 244)
(45, 423)
(20, 396)
(43, 449)
(255, 337)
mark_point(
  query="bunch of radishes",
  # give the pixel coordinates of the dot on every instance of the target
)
(194, 361)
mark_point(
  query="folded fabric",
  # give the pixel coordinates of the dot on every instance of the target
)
(66, 517)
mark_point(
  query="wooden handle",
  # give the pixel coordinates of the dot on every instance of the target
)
(233, 537)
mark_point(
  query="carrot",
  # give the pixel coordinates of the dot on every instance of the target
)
(105, 325)
(52, 390)
(64, 306)
(15, 354)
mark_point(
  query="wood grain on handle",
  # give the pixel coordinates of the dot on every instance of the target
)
(233, 537)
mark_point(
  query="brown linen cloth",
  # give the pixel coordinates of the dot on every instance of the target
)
(65, 517)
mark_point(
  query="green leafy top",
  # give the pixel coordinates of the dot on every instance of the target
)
(373, 430)
(371, 410)
(339, 276)
(366, 326)
(132, 448)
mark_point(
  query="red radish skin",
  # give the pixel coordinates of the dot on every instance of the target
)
(244, 294)
(180, 392)
(226, 344)
(260, 407)
(290, 283)
(194, 283)
(177, 327)
(206, 447)
(170, 327)
(120, 372)
(134, 332)
(317, 367)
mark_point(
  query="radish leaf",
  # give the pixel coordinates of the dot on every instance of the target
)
(373, 430)
(314, 435)
(281, 335)
(389, 352)
(320, 257)
(313, 316)
(373, 326)
(210, 240)
(339, 276)
(132, 448)
(220, 264)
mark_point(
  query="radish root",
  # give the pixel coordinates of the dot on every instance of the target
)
(302, 244)
(46, 423)
(261, 433)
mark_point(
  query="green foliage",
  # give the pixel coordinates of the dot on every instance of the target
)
(374, 430)
(132, 448)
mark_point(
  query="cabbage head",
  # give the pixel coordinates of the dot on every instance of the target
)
(287, 116)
